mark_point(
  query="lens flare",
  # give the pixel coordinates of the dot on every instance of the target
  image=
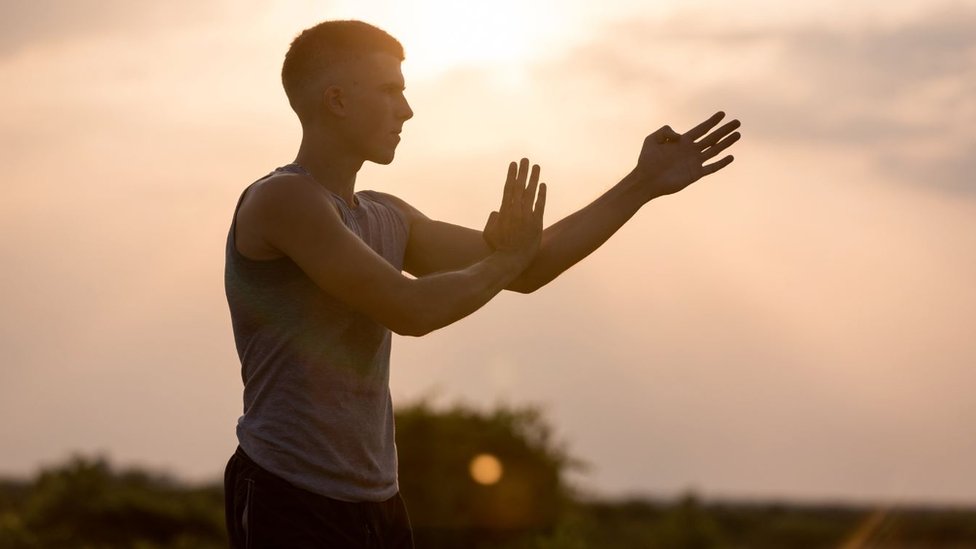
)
(486, 469)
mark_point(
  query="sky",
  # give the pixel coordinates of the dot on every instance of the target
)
(798, 326)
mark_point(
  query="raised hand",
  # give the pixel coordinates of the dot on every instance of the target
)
(517, 225)
(670, 161)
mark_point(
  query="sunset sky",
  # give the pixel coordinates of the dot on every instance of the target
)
(801, 325)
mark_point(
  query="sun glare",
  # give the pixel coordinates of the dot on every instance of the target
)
(444, 34)
(441, 35)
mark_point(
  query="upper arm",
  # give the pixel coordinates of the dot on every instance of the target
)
(294, 216)
(436, 246)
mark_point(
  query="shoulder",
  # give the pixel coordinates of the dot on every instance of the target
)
(284, 186)
(284, 194)
(282, 208)
(410, 214)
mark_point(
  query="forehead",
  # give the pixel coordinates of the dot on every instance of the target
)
(376, 68)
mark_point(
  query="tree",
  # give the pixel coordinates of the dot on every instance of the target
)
(448, 505)
(85, 503)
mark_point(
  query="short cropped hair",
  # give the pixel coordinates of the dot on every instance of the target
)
(326, 44)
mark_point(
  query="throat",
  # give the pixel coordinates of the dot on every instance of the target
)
(344, 190)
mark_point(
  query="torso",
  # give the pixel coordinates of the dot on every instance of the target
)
(309, 363)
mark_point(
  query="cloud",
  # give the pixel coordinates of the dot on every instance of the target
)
(903, 93)
(751, 301)
(26, 24)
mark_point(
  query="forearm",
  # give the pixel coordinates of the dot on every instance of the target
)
(436, 300)
(576, 236)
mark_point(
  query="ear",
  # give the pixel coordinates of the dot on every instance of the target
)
(334, 100)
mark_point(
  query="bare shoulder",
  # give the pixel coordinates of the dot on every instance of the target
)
(282, 189)
(272, 203)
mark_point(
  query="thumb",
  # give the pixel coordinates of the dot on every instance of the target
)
(664, 135)
(490, 234)
(492, 220)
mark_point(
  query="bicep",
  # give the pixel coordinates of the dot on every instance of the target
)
(436, 246)
(302, 223)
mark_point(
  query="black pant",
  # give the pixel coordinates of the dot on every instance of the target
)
(264, 511)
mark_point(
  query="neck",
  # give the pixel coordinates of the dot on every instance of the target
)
(330, 164)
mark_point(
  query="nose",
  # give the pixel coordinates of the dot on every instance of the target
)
(406, 113)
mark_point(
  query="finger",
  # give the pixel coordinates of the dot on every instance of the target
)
(664, 135)
(718, 134)
(540, 204)
(529, 194)
(509, 188)
(713, 151)
(701, 129)
(523, 173)
(716, 166)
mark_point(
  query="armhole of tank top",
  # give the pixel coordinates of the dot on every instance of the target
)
(379, 198)
(233, 233)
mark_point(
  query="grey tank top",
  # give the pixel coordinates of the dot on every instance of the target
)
(317, 406)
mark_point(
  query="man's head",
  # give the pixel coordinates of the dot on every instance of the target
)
(344, 76)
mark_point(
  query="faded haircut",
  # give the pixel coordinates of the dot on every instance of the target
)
(318, 48)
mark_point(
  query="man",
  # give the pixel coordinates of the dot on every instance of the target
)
(314, 283)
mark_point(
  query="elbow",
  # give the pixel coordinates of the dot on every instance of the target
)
(413, 320)
(407, 332)
(411, 329)
(522, 289)
(524, 285)
(409, 325)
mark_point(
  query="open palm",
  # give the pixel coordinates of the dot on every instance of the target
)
(670, 161)
(516, 224)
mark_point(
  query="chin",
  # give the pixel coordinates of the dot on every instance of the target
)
(382, 160)
(384, 157)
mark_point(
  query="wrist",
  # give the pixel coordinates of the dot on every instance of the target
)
(640, 185)
(488, 240)
(516, 260)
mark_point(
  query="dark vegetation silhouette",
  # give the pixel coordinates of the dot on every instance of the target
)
(86, 503)
(448, 508)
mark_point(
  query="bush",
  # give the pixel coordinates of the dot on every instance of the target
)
(448, 507)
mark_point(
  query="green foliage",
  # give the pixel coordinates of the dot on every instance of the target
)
(774, 526)
(685, 524)
(448, 508)
(85, 503)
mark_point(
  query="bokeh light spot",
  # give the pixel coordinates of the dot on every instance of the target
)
(486, 469)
